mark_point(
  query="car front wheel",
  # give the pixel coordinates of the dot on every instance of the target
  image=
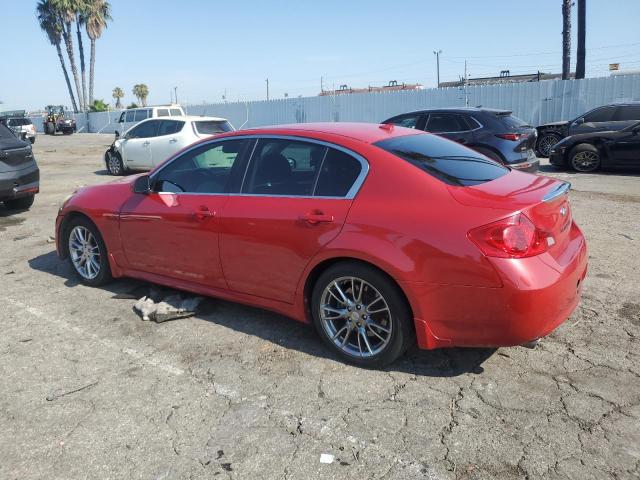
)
(114, 164)
(361, 314)
(585, 158)
(87, 252)
(546, 143)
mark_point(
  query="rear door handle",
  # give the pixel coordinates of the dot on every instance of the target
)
(316, 217)
(203, 213)
(145, 143)
(173, 140)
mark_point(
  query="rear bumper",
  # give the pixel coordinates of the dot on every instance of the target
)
(20, 183)
(538, 294)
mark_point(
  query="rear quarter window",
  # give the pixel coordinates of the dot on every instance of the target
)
(513, 122)
(176, 112)
(211, 127)
(443, 159)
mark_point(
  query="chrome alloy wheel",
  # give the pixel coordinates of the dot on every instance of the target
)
(114, 164)
(546, 143)
(585, 161)
(355, 316)
(85, 252)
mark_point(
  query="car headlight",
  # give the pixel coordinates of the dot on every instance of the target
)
(66, 199)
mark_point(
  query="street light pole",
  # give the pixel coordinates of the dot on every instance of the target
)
(267, 80)
(175, 89)
(437, 54)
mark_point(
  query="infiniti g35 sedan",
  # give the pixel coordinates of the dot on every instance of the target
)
(381, 236)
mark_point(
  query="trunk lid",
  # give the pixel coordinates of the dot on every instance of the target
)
(14, 155)
(542, 200)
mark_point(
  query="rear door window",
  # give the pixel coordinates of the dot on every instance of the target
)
(628, 113)
(176, 112)
(446, 123)
(447, 161)
(169, 127)
(130, 116)
(283, 167)
(145, 130)
(162, 112)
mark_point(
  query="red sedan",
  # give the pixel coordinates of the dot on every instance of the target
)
(381, 236)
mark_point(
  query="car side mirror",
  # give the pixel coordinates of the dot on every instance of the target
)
(117, 134)
(579, 121)
(142, 185)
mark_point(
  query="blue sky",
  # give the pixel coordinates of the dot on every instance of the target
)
(204, 47)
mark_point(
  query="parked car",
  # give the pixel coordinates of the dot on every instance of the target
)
(152, 141)
(496, 134)
(587, 152)
(19, 174)
(132, 116)
(22, 125)
(379, 235)
(602, 119)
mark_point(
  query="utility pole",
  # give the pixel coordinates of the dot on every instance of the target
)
(437, 54)
(581, 52)
(267, 80)
(466, 95)
(566, 39)
(175, 89)
(321, 85)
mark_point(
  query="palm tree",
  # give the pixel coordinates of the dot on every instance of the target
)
(66, 11)
(117, 93)
(50, 23)
(80, 7)
(96, 15)
(141, 91)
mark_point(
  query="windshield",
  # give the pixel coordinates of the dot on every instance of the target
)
(443, 159)
(19, 121)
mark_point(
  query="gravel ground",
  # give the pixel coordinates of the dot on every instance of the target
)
(88, 390)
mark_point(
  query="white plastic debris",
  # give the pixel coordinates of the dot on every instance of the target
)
(326, 458)
(170, 308)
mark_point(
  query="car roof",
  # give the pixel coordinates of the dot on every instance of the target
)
(364, 132)
(186, 118)
(456, 110)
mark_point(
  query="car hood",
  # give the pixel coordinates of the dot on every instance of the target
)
(556, 124)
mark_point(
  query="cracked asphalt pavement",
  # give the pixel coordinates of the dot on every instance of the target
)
(88, 390)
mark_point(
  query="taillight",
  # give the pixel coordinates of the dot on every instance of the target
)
(514, 137)
(512, 237)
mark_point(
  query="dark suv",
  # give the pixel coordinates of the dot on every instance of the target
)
(19, 174)
(495, 133)
(608, 118)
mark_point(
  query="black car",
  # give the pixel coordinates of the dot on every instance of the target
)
(602, 119)
(19, 173)
(495, 133)
(587, 152)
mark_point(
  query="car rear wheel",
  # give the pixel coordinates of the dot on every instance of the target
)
(23, 203)
(585, 158)
(546, 143)
(361, 314)
(114, 164)
(87, 252)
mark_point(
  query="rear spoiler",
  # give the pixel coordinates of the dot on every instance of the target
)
(557, 191)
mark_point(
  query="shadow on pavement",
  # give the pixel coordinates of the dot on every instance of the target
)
(280, 330)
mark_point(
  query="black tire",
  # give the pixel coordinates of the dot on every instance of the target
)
(114, 163)
(103, 274)
(50, 128)
(32, 140)
(23, 203)
(489, 153)
(585, 158)
(397, 316)
(545, 142)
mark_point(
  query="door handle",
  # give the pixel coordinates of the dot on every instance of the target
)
(173, 140)
(316, 217)
(203, 213)
(461, 140)
(146, 143)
